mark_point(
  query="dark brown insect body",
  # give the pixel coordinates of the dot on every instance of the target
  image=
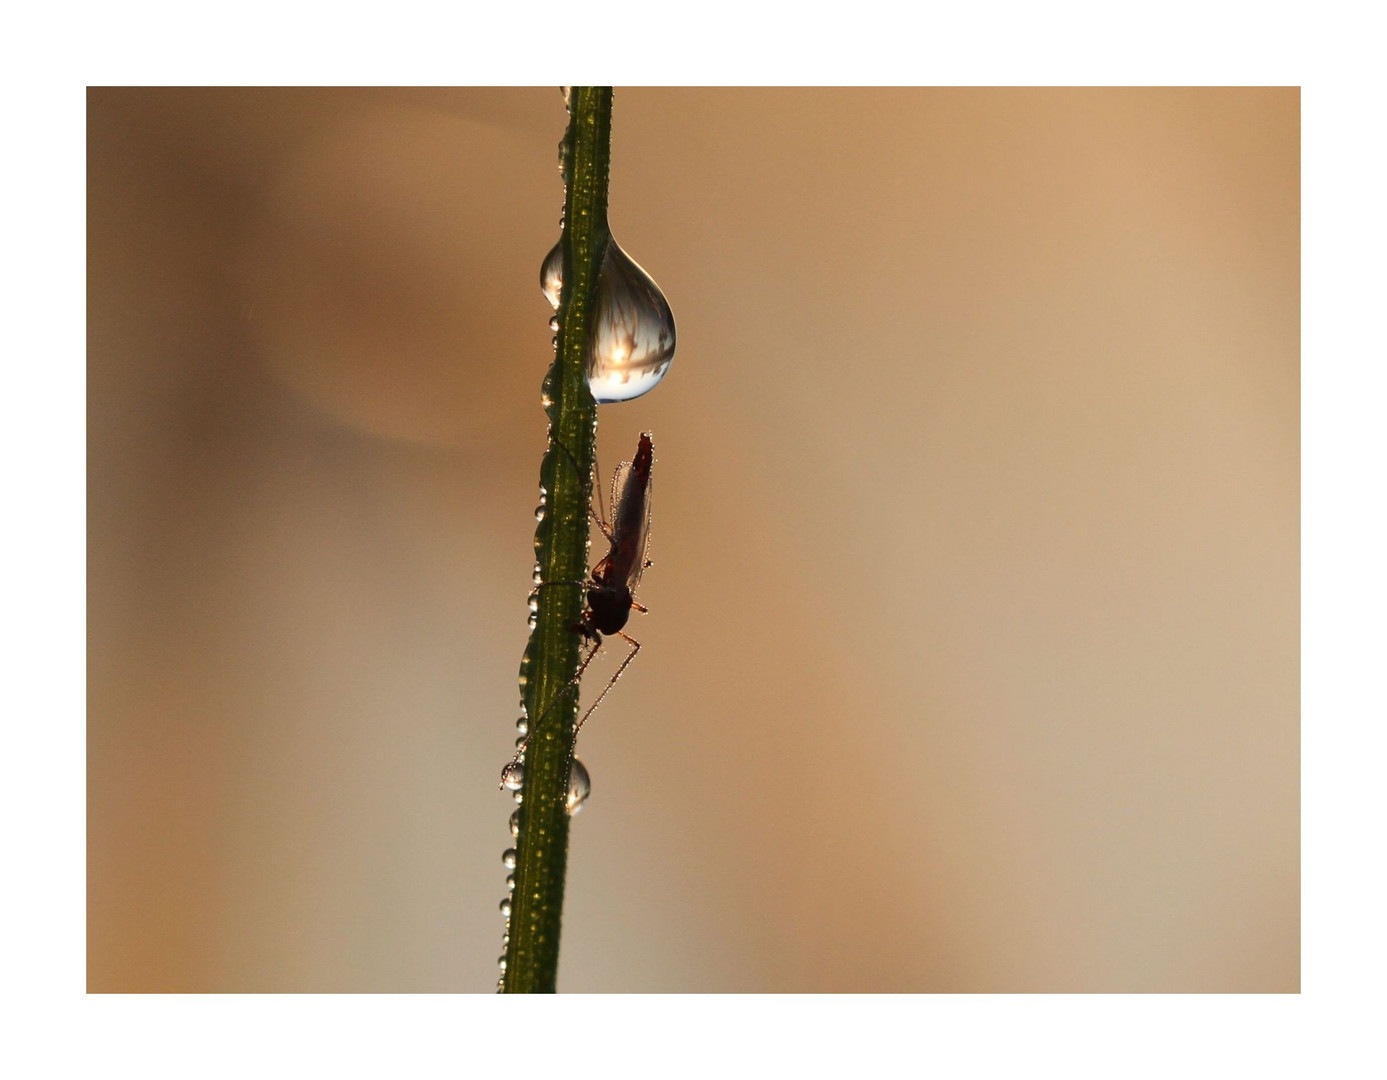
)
(612, 583)
(610, 598)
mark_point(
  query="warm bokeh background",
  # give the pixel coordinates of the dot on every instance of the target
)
(972, 660)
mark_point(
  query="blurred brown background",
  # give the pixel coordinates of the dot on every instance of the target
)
(972, 660)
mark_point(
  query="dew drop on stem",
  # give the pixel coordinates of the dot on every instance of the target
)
(579, 787)
(631, 343)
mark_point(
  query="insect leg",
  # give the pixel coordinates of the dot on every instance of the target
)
(534, 728)
(635, 648)
(573, 746)
(600, 514)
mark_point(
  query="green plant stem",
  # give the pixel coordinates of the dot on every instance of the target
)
(561, 546)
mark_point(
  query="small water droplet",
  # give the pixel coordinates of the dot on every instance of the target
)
(553, 322)
(551, 275)
(520, 741)
(533, 600)
(505, 907)
(631, 344)
(519, 797)
(510, 882)
(522, 725)
(533, 620)
(505, 940)
(579, 787)
(515, 825)
(501, 963)
(513, 776)
(538, 575)
(567, 92)
(539, 512)
(508, 858)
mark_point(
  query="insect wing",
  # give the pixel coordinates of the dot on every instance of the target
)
(631, 515)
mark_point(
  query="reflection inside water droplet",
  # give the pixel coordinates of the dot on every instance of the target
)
(579, 787)
(513, 776)
(515, 825)
(551, 275)
(631, 343)
(508, 858)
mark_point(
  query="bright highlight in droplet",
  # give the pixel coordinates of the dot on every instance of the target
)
(631, 343)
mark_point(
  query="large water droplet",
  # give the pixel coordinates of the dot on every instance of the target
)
(513, 776)
(579, 787)
(631, 343)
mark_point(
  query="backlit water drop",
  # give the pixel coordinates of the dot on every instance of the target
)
(631, 343)
(579, 787)
(513, 776)
(551, 275)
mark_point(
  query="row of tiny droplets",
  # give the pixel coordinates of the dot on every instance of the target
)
(515, 776)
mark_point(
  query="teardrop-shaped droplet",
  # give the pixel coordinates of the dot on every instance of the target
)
(579, 787)
(551, 275)
(631, 343)
(513, 776)
(632, 339)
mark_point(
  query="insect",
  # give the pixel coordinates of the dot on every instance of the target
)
(612, 584)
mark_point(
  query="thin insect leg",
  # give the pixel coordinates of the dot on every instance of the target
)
(600, 514)
(573, 746)
(533, 729)
(603, 521)
(635, 648)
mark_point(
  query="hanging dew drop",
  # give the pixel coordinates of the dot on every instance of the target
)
(631, 344)
(554, 323)
(505, 907)
(513, 777)
(510, 882)
(579, 787)
(508, 858)
(551, 275)
(522, 725)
